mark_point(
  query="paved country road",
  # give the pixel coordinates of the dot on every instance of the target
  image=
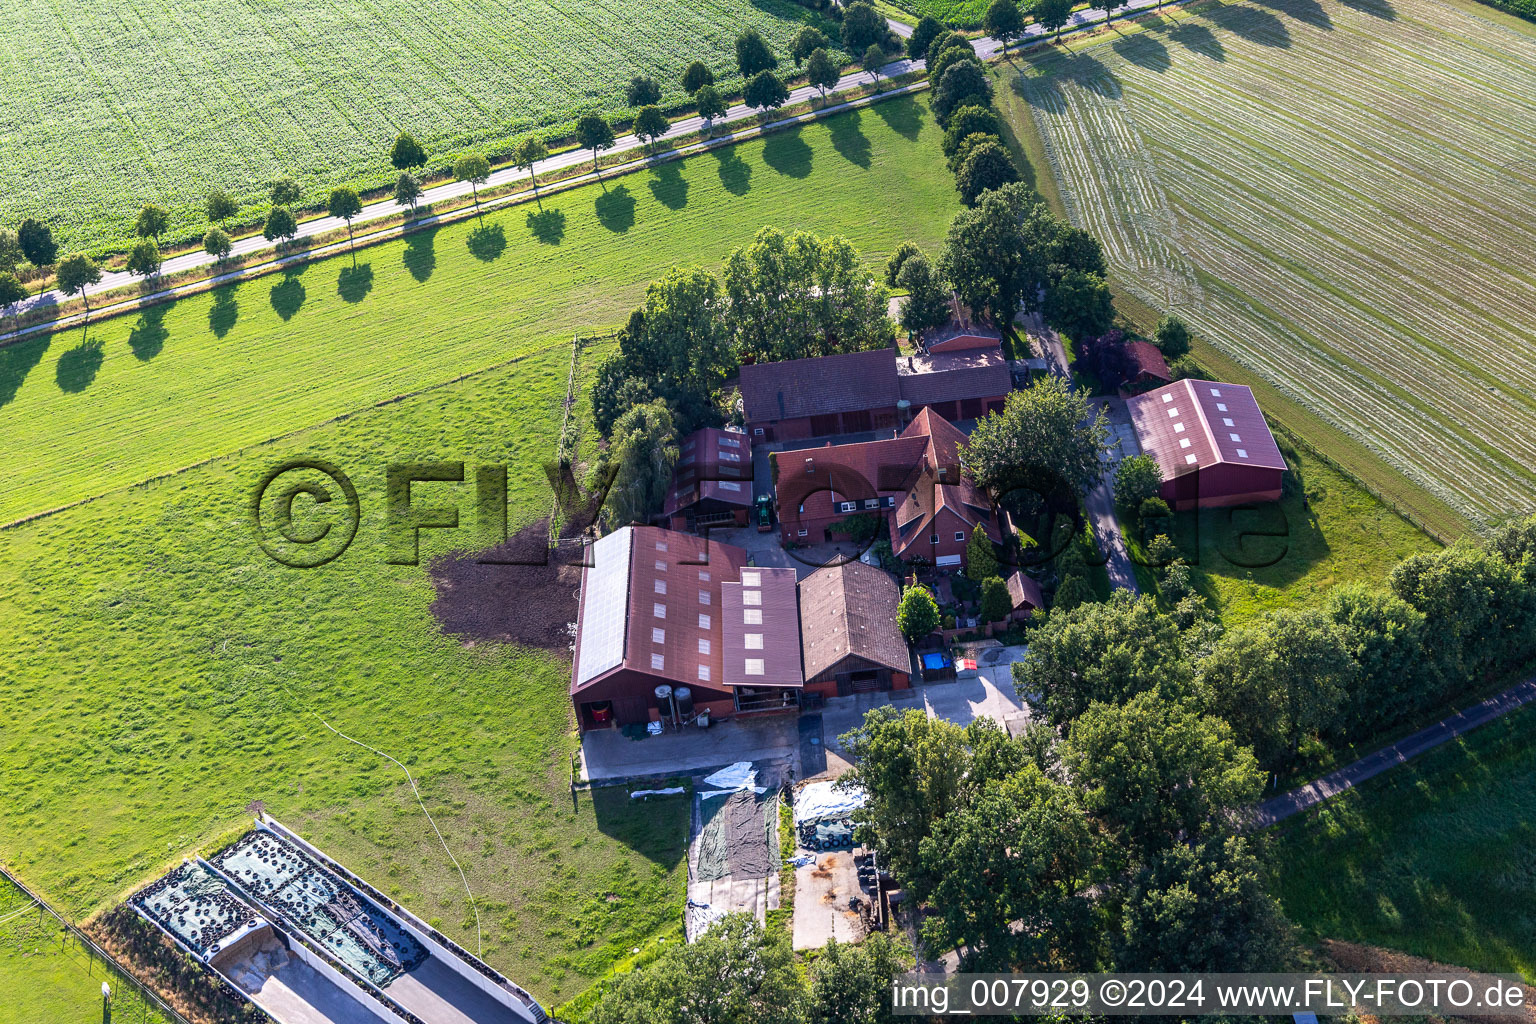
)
(985, 48)
(1313, 793)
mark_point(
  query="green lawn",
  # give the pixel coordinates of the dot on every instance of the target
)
(144, 395)
(44, 981)
(104, 108)
(1291, 554)
(1281, 176)
(1433, 858)
(161, 673)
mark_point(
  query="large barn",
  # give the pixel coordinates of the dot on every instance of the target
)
(1211, 443)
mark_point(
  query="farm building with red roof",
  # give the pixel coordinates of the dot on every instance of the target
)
(1211, 443)
(913, 480)
(712, 483)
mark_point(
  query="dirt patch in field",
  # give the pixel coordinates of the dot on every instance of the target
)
(484, 599)
(1353, 958)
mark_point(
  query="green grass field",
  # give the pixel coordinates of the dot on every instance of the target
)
(44, 980)
(158, 672)
(1357, 241)
(1292, 553)
(104, 109)
(1433, 858)
(142, 395)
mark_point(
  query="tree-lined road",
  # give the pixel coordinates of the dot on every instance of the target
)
(986, 48)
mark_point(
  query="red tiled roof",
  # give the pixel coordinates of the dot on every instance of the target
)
(814, 387)
(953, 376)
(850, 609)
(706, 469)
(1146, 359)
(1196, 424)
(940, 484)
(962, 331)
(636, 573)
(761, 629)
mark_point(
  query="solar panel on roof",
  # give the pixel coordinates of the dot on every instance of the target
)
(605, 602)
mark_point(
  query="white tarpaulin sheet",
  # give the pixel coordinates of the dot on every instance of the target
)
(821, 800)
(733, 777)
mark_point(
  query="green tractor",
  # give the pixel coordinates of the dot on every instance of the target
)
(762, 513)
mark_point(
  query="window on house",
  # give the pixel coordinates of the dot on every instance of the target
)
(1173, 412)
(1221, 407)
(1215, 392)
(703, 575)
(959, 535)
(871, 502)
(802, 533)
(934, 539)
(1167, 398)
(758, 431)
(661, 545)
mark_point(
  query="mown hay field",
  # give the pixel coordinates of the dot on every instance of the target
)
(105, 108)
(128, 399)
(1341, 197)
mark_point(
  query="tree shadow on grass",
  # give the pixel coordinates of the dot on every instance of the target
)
(355, 282)
(547, 226)
(1144, 50)
(1382, 9)
(668, 185)
(1252, 24)
(788, 153)
(288, 296)
(487, 242)
(420, 256)
(147, 337)
(1309, 11)
(16, 361)
(903, 116)
(77, 368)
(1198, 39)
(224, 311)
(735, 173)
(849, 139)
(616, 209)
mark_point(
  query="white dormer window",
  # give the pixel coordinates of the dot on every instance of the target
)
(703, 575)
(661, 566)
(661, 545)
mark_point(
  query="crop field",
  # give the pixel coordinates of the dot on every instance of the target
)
(1433, 858)
(131, 398)
(158, 672)
(105, 108)
(1341, 197)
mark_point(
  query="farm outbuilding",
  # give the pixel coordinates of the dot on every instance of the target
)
(1211, 443)
(848, 635)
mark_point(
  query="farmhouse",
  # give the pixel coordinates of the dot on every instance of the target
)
(712, 484)
(661, 609)
(912, 482)
(1211, 443)
(871, 390)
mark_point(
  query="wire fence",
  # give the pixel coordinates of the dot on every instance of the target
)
(29, 926)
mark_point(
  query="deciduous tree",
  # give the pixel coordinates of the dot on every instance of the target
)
(1171, 337)
(1053, 15)
(986, 166)
(1137, 478)
(407, 190)
(651, 124)
(928, 29)
(152, 222)
(217, 243)
(697, 76)
(475, 169)
(1080, 305)
(753, 55)
(595, 134)
(10, 251)
(75, 275)
(640, 457)
(1108, 652)
(863, 27)
(996, 254)
(927, 304)
(406, 154)
(765, 91)
(280, 225)
(1003, 22)
(286, 192)
(1394, 674)
(798, 296)
(220, 207)
(710, 105)
(530, 149)
(678, 344)
(821, 72)
(143, 258)
(642, 91)
(874, 59)
(995, 602)
(346, 204)
(807, 40)
(12, 291)
(898, 258)
(37, 244)
(852, 984)
(969, 120)
(1045, 438)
